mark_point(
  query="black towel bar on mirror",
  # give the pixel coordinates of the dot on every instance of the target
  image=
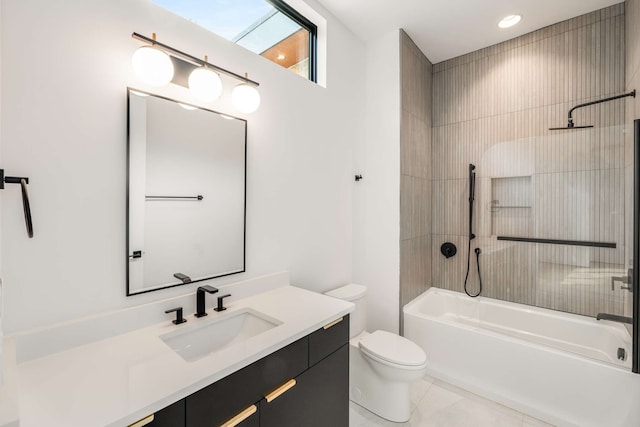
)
(198, 197)
(23, 181)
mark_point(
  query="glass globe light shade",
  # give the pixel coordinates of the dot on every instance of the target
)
(245, 98)
(152, 66)
(205, 84)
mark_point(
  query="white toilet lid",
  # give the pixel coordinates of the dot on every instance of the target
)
(350, 292)
(393, 349)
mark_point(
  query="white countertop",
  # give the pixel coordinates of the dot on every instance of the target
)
(119, 380)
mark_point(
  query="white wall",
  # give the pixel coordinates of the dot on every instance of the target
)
(376, 219)
(65, 69)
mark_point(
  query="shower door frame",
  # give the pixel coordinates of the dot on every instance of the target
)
(636, 249)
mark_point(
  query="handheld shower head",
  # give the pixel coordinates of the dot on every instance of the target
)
(472, 182)
(472, 196)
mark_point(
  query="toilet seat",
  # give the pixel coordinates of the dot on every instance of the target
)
(392, 349)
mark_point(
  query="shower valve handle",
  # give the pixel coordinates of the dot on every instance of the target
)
(623, 279)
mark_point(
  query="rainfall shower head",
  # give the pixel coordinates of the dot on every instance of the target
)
(572, 126)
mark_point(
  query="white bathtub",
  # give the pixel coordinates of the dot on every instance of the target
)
(558, 367)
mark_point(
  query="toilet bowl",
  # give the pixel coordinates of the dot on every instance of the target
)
(382, 365)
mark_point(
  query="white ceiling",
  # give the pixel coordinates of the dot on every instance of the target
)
(444, 29)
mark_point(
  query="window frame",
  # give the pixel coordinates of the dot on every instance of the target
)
(305, 23)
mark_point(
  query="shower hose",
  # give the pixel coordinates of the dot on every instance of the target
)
(466, 278)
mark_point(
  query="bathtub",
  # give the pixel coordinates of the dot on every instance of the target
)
(561, 368)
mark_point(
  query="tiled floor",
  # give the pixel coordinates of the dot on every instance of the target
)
(435, 403)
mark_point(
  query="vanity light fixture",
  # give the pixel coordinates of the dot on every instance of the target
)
(153, 66)
(205, 84)
(509, 21)
(204, 81)
(245, 98)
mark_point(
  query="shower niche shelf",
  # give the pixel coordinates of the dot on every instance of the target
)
(510, 205)
(496, 206)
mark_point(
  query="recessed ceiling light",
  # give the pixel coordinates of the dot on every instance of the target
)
(509, 21)
(281, 57)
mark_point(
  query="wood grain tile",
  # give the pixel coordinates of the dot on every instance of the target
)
(416, 174)
(493, 108)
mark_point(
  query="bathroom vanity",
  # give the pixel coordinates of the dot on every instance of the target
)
(287, 365)
(305, 383)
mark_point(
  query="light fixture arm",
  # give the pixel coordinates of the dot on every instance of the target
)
(192, 59)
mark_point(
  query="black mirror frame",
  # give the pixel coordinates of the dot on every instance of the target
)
(244, 231)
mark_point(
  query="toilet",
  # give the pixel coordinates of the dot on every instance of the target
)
(382, 365)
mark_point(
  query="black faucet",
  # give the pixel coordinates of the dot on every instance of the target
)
(200, 310)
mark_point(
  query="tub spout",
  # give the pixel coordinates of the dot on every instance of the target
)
(614, 318)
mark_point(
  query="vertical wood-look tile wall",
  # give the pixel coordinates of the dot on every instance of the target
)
(493, 108)
(415, 172)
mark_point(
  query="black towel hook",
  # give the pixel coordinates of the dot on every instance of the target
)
(23, 181)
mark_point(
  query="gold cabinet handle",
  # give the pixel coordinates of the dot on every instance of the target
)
(241, 416)
(144, 421)
(280, 391)
(335, 322)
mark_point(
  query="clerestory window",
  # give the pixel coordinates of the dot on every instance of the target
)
(270, 28)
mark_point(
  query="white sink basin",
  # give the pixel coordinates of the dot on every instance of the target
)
(214, 334)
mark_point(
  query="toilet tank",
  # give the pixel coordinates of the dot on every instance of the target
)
(355, 294)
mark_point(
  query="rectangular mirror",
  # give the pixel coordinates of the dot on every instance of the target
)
(185, 193)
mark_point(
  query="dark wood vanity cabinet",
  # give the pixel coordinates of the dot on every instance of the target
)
(222, 400)
(328, 339)
(320, 397)
(171, 416)
(303, 384)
